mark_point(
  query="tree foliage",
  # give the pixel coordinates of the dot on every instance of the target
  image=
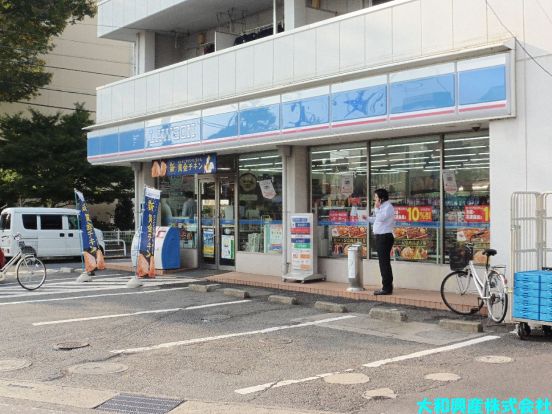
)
(124, 214)
(44, 157)
(26, 31)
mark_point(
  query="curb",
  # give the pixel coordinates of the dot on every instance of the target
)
(394, 315)
(462, 326)
(66, 270)
(330, 307)
(242, 294)
(204, 288)
(285, 300)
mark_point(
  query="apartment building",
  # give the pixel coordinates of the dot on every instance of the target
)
(80, 62)
(246, 112)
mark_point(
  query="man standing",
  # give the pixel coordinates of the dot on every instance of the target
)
(383, 223)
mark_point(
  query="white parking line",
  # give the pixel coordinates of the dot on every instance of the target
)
(226, 336)
(431, 351)
(92, 296)
(375, 364)
(66, 279)
(121, 315)
(262, 387)
(71, 286)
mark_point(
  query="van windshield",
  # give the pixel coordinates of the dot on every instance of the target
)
(5, 222)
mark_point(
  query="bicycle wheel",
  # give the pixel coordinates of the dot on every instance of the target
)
(459, 293)
(497, 303)
(31, 272)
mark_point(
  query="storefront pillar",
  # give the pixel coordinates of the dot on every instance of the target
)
(137, 169)
(295, 191)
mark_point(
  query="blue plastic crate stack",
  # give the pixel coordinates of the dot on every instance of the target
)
(533, 295)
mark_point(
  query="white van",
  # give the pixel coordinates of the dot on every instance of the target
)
(51, 232)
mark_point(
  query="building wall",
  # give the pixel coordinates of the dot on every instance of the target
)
(404, 32)
(521, 147)
(77, 50)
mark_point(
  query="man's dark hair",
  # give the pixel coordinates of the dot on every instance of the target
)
(382, 194)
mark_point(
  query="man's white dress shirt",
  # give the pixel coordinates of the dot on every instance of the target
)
(384, 219)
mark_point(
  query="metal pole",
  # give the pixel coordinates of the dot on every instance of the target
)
(134, 282)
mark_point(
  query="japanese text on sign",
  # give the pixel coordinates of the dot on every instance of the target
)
(301, 243)
(201, 164)
(413, 214)
(484, 406)
(476, 214)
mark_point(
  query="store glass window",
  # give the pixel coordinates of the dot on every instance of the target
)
(260, 203)
(467, 192)
(338, 188)
(409, 169)
(178, 207)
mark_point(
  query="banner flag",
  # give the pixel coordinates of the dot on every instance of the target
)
(93, 256)
(145, 264)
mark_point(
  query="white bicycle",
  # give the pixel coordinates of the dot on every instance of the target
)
(30, 271)
(465, 291)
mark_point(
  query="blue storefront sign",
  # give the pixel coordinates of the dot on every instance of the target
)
(446, 92)
(173, 167)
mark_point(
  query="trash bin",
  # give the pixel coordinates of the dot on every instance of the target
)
(354, 260)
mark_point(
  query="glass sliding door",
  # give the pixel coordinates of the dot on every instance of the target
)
(218, 221)
(208, 210)
(226, 221)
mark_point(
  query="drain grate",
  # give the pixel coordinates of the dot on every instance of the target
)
(139, 404)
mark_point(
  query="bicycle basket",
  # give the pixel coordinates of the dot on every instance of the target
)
(459, 257)
(26, 249)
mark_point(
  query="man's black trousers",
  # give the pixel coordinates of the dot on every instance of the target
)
(384, 244)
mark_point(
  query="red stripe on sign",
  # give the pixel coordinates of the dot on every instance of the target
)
(371, 121)
(477, 108)
(291, 131)
(268, 134)
(448, 111)
(217, 140)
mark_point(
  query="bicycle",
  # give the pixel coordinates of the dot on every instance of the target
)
(490, 291)
(30, 271)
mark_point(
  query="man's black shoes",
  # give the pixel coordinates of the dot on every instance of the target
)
(383, 292)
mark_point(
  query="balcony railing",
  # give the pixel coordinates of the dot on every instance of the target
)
(395, 32)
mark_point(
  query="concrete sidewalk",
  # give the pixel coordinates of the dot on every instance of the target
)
(411, 297)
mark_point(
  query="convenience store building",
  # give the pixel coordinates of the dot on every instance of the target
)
(442, 102)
